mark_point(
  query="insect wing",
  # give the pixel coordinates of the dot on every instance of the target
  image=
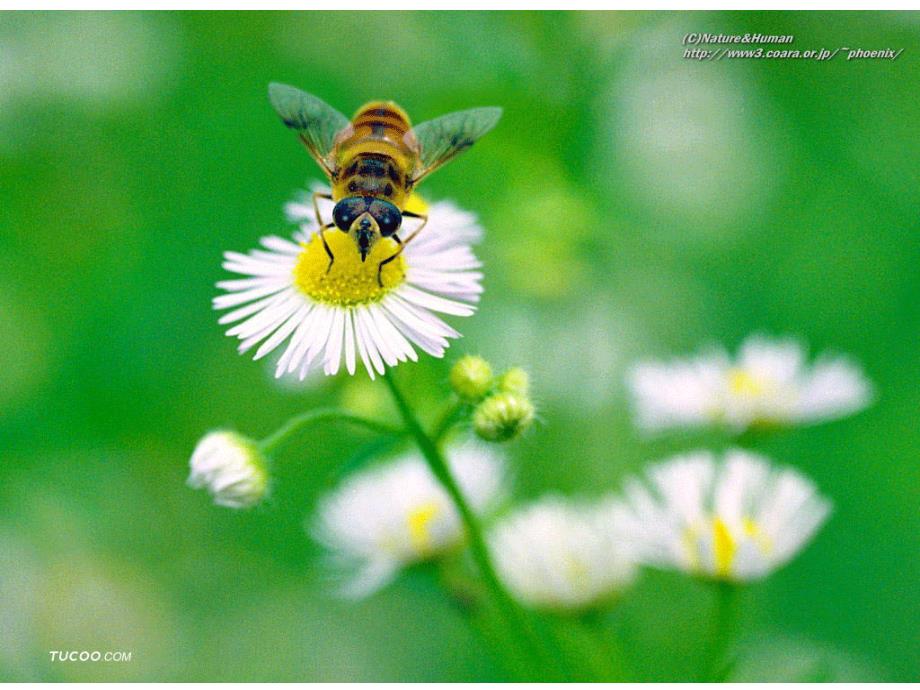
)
(316, 121)
(440, 140)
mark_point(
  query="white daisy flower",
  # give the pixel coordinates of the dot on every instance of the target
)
(395, 514)
(769, 383)
(231, 468)
(326, 315)
(561, 555)
(738, 519)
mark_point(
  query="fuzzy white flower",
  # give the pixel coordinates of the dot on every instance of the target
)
(329, 314)
(556, 554)
(231, 468)
(736, 519)
(395, 514)
(769, 383)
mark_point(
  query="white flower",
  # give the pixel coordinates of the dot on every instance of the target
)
(738, 519)
(561, 555)
(397, 513)
(231, 468)
(767, 384)
(325, 315)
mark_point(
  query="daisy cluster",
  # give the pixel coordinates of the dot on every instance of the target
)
(734, 516)
(555, 554)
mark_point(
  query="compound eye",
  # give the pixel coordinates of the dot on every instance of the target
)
(346, 211)
(387, 216)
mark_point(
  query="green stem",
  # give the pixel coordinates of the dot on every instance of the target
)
(548, 632)
(614, 664)
(746, 439)
(716, 665)
(575, 644)
(514, 617)
(446, 421)
(295, 424)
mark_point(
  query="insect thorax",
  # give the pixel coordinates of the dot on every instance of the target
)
(374, 158)
(374, 175)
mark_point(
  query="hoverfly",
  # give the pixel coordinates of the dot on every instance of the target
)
(375, 161)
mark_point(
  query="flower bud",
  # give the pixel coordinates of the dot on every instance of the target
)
(231, 467)
(502, 417)
(515, 380)
(471, 378)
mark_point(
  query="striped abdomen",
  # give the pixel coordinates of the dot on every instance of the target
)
(373, 159)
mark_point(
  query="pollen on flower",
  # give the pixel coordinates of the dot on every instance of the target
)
(349, 281)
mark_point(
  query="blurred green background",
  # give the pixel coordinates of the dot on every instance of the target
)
(636, 203)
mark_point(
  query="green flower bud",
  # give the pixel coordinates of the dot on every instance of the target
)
(471, 378)
(515, 380)
(232, 469)
(502, 417)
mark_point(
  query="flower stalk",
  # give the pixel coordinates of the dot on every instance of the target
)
(513, 616)
(717, 666)
(299, 422)
(451, 415)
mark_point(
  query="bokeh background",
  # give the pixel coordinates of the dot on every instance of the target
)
(637, 204)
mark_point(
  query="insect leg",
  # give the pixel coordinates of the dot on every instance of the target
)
(424, 218)
(402, 243)
(323, 226)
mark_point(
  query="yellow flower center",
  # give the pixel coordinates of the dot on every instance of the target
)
(724, 544)
(741, 382)
(419, 521)
(349, 281)
(577, 573)
(723, 547)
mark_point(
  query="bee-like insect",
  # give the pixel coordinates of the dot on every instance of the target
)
(375, 161)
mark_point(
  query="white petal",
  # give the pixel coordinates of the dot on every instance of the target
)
(271, 315)
(236, 298)
(383, 347)
(445, 306)
(280, 245)
(362, 343)
(252, 308)
(334, 346)
(283, 332)
(349, 344)
(396, 339)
